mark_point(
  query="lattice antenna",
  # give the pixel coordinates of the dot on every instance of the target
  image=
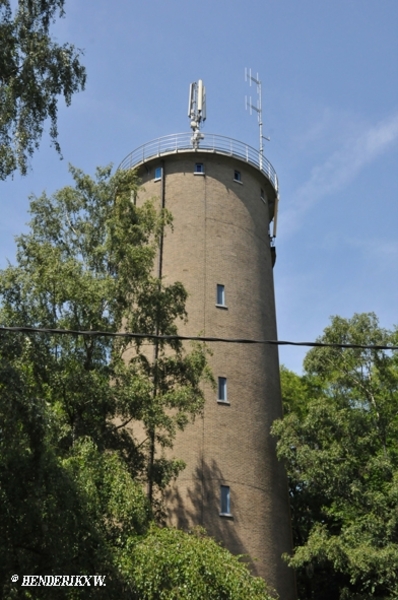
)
(197, 110)
(249, 105)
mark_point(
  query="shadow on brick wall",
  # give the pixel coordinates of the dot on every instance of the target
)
(202, 507)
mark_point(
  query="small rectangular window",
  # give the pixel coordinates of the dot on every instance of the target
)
(222, 389)
(225, 500)
(158, 173)
(199, 169)
(262, 194)
(220, 294)
(237, 176)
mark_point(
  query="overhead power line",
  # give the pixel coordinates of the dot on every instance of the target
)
(153, 336)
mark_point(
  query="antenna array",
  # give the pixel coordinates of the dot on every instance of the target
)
(258, 109)
(197, 110)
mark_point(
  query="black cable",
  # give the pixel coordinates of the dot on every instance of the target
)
(153, 336)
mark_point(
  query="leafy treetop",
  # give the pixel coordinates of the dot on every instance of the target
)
(34, 72)
(339, 440)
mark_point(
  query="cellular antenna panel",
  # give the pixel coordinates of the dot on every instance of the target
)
(197, 110)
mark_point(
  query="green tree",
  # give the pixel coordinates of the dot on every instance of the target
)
(34, 72)
(86, 265)
(168, 564)
(59, 515)
(339, 440)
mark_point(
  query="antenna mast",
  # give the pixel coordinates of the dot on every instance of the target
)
(258, 109)
(197, 110)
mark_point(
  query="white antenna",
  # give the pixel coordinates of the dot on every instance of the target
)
(258, 109)
(197, 110)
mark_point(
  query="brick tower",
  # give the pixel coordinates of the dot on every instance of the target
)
(222, 195)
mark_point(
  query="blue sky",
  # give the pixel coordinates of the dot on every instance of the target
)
(330, 105)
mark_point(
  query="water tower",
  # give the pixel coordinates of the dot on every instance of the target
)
(223, 196)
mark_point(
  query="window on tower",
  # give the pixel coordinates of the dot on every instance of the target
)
(237, 176)
(220, 296)
(158, 173)
(199, 169)
(222, 390)
(225, 508)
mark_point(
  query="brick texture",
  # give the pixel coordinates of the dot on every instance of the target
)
(221, 236)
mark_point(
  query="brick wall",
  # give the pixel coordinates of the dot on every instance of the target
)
(221, 237)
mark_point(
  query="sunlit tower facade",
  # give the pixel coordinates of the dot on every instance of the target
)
(223, 195)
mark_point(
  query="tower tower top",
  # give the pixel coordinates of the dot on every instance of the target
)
(197, 110)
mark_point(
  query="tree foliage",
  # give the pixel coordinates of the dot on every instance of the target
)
(339, 440)
(58, 513)
(86, 265)
(168, 564)
(72, 478)
(34, 72)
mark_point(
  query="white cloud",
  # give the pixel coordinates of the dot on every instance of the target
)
(341, 167)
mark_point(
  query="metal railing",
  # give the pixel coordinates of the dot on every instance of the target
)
(182, 142)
